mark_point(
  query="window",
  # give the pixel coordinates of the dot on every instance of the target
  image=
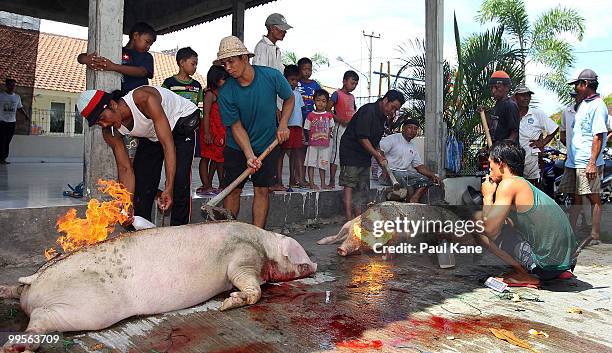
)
(78, 121)
(58, 117)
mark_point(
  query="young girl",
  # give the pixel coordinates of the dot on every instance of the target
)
(319, 124)
(212, 133)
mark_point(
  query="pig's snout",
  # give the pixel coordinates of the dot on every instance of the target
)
(350, 246)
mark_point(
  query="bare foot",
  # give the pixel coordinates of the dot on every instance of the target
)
(278, 187)
(326, 187)
(331, 185)
(313, 187)
(521, 277)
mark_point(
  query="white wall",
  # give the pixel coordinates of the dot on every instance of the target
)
(30, 148)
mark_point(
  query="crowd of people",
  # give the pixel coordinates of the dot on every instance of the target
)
(251, 100)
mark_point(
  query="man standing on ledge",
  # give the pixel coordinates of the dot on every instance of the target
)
(247, 104)
(360, 143)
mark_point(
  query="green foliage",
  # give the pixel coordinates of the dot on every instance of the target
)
(318, 59)
(414, 90)
(541, 41)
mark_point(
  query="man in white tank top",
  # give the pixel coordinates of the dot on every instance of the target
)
(164, 123)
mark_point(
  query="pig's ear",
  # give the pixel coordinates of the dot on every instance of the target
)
(294, 251)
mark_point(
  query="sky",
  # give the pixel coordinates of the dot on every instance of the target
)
(336, 30)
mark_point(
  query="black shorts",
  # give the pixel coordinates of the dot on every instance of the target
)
(235, 164)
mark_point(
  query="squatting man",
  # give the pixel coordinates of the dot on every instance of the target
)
(523, 226)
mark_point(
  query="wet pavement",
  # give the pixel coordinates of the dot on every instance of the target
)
(365, 304)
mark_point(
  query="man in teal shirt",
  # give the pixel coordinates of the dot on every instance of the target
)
(247, 104)
(541, 241)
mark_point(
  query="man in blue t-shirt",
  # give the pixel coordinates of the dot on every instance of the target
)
(247, 104)
(584, 165)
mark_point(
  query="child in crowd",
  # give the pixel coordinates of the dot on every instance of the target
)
(294, 144)
(136, 66)
(212, 133)
(343, 104)
(182, 83)
(307, 89)
(319, 125)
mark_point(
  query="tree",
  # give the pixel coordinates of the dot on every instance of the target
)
(541, 41)
(414, 89)
(318, 59)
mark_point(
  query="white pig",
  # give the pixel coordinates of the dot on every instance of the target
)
(155, 271)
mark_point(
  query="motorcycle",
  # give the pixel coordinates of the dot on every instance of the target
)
(606, 182)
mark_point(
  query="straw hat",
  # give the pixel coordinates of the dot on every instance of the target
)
(231, 46)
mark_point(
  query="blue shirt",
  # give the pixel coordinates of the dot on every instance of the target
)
(590, 120)
(307, 90)
(131, 57)
(296, 116)
(254, 106)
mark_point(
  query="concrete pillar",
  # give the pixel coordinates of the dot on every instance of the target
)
(104, 37)
(434, 131)
(238, 19)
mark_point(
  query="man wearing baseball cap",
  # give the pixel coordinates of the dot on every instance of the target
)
(504, 119)
(584, 165)
(247, 104)
(267, 53)
(164, 123)
(533, 124)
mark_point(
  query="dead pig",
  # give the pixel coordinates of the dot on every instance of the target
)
(359, 233)
(155, 271)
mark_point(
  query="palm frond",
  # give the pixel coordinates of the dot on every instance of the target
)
(512, 14)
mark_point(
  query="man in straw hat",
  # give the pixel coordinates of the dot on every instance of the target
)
(247, 103)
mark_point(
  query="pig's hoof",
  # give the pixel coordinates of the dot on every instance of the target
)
(232, 302)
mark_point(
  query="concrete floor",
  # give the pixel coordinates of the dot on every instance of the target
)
(404, 305)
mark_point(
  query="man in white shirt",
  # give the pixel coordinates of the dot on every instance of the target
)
(584, 165)
(266, 51)
(10, 103)
(533, 124)
(405, 162)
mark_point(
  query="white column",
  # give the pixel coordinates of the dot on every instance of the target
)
(434, 131)
(104, 38)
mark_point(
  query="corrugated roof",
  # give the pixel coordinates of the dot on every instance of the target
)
(57, 68)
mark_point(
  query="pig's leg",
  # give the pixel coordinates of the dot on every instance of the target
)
(40, 323)
(244, 274)
(341, 236)
(11, 292)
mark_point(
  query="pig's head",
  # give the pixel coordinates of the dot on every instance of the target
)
(363, 233)
(287, 260)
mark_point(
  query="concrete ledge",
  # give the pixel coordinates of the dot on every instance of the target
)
(27, 232)
(32, 148)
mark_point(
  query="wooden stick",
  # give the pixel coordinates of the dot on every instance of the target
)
(215, 200)
(485, 125)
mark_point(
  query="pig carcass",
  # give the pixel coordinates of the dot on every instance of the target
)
(155, 271)
(359, 233)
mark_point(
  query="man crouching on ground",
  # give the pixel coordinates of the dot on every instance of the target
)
(540, 242)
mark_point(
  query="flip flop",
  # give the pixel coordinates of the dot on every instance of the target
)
(520, 284)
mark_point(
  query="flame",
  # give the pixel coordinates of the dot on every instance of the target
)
(99, 222)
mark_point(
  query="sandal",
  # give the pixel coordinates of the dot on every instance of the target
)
(76, 192)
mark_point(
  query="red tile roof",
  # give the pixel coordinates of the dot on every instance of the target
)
(18, 55)
(56, 66)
